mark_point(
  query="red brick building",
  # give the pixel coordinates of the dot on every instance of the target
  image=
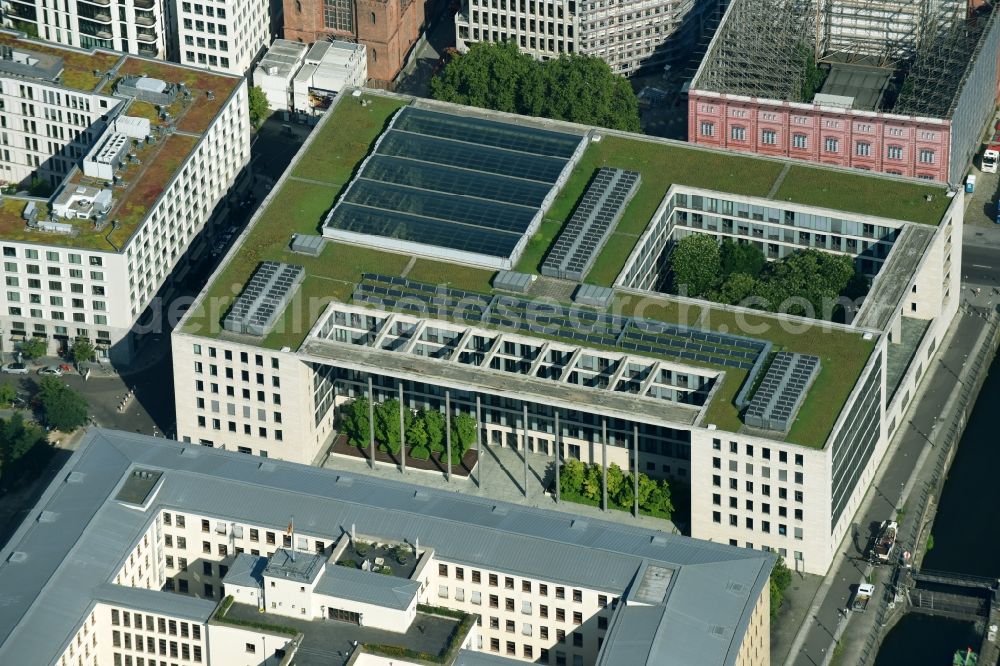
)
(387, 28)
(900, 145)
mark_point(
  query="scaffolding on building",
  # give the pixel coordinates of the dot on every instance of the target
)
(946, 51)
(760, 50)
(763, 47)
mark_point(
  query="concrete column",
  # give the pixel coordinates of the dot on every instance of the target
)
(524, 444)
(635, 470)
(479, 440)
(402, 430)
(371, 421)
(604, 463)
(558, 445)
(447, 429)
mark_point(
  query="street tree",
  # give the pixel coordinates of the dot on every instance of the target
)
(7, 393)
(260, 108)
(578, 88)
(82, 351)
(33, 348)
(62, 408)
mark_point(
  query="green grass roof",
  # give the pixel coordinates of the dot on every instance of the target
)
(160, 161)
(346, 136)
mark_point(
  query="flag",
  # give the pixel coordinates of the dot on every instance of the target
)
(290, 528)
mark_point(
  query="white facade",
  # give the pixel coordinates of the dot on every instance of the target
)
(629, 36)
(274, 73)
(130, 26)
(224, 37)
(60, 286)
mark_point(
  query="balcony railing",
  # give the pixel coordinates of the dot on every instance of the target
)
(145, 35)
(101, 3)
(143, 4)
(96, 17)
(144, 19)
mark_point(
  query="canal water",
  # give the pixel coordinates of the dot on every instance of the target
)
(966, 538)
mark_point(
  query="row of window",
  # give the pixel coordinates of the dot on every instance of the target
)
(161, 647)
(830, 144)
(51, 255)
(508, 584)
(528, 652)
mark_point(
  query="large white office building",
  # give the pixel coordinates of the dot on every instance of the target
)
(629, 36)
(623, 375)
(222, 36)
(149, 552)
(131, 187)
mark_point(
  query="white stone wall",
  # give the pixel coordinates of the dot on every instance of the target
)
(769, 477)
(205, 408)
(224, 37)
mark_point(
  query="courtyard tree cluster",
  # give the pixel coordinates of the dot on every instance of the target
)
(424, 429)
(807, 282)
(578, 481)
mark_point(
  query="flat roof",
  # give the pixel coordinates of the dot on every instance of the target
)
(347, 134)
(158, 162)
(865, 85)
(66, 564)
(444, 183)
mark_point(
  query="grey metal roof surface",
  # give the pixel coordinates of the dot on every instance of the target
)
(303, 567)
(246, 571)
(44, 599)
(367, 587)
(155, 601)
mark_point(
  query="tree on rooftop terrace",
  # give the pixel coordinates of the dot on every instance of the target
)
(416, 439)
(259, 106)
(434, 425)
(571, 476)
(356, 423)
(387, 425)
(816, 276)
(695, 265)
(463, 435)
(578, 88)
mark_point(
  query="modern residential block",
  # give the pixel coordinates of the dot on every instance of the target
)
(901, 88)
(388, 29)
(137, 153)
(401, 306)
(144, 548)
(222, 36)
(629, 36)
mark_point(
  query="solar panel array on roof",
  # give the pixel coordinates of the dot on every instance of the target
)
(264, 298)
(454, 183)
(585, 327)
(592, 222)
(781, 392)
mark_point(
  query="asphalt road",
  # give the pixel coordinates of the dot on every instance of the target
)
(981, 265)
(923, 418)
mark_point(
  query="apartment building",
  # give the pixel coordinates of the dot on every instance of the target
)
(199, 556)
(388, 29)
(137, 154)
(224, 36)
(630, 36)
(140, 27)
(437, 316)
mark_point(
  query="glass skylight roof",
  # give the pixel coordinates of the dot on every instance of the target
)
(454, 183)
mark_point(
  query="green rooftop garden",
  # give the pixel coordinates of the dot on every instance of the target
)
(859, 193)
(78, 66)
(343, 140)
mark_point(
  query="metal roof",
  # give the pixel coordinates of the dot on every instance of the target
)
(246, 571)
(368, 587)
(68, 563)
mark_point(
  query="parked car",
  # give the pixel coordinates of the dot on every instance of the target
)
(15, 369)
(51, 370)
